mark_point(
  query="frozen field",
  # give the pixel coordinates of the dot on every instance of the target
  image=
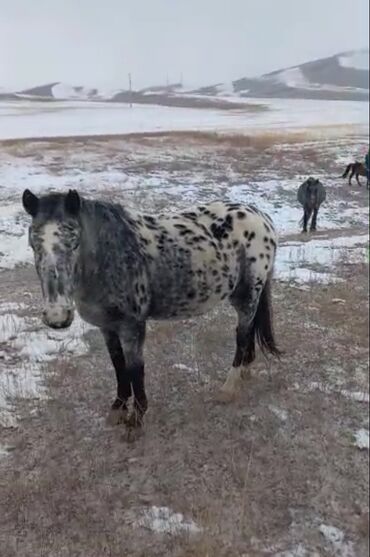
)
(283, 471)
(55, 119)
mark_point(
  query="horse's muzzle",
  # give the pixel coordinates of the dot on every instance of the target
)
(58, 318)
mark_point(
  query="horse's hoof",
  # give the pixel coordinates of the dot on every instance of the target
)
(246, 373)
(134, 426)
(225, 397)
(135, 420)
(117, 416)
(133, 433)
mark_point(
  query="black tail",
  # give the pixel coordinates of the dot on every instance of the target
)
(348, 168)
(262, 325)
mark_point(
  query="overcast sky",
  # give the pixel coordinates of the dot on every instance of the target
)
(97, 42)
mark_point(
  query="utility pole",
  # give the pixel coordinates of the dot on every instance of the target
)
(130, 88)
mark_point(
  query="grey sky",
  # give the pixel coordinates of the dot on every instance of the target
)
(97, 42)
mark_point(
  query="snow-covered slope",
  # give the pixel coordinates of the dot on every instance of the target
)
(358, 59)
(65, 91)
(344, 76)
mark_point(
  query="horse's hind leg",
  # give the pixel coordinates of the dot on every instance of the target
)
(358, 180)
(133, 336)
(350, 177)
(245, 343)
(118, 412)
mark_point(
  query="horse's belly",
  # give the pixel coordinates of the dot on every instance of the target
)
(202, 291)
(184, 309)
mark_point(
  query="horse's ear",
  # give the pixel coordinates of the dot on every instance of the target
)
(73, 203)
(30, 203)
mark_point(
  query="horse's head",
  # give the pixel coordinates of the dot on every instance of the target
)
(312, 189)
(54, 236)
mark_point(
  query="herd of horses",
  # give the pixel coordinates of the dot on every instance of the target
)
(120, 268)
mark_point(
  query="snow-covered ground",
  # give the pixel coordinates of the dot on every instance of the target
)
(42, 119)
(94, 173)
(25, 347)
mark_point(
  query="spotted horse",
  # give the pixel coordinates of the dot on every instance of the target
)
(119, 269)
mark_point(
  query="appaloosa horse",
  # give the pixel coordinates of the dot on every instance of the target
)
(356, 169)
(120, 268)
(311, 194)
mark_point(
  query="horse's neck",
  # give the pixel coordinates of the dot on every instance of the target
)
(99, 232)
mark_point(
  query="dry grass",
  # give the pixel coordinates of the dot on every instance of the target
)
(258, 476)
(262, 140)
(248, 478)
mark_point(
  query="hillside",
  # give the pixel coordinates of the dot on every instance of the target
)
(344, 76)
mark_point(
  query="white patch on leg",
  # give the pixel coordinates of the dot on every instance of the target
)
(245, 372)
(231, 386)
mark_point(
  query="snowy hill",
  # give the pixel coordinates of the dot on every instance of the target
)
(63, 91)
(344, 76)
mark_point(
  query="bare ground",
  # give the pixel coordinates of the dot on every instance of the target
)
(258, 476)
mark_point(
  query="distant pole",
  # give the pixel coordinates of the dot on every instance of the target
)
(130, 88)
(181, 79)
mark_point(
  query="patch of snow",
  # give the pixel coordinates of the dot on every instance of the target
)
(292, 77)
(16, 382)
(295, 258)
(358, 59)
(14, 247)
(4, 450)
(65, 91)
(164, 521)
(10, 326)
(357, 396)
(279, 413)
(336, 538)
(182, 367)
(298, 551)
(44, 345)
(11, 306)
(362, 438)
(35, 347)
(226, 89)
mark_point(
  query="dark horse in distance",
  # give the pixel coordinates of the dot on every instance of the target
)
(356, 169)
(120, 268)
(311, 194)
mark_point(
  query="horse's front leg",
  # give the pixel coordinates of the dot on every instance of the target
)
(133, 337)
(306, 218)
(314, 220)
(118, 412)
(358, 180)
